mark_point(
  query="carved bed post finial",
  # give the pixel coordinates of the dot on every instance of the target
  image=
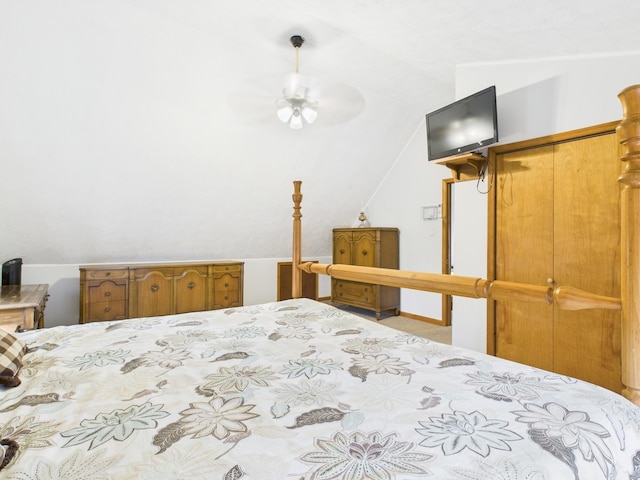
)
(629, 135)
(296, 273)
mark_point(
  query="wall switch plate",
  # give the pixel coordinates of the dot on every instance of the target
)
(432, 212)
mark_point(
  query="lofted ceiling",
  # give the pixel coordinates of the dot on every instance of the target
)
(148, 127)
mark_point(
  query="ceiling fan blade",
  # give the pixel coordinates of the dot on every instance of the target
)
(339, 103)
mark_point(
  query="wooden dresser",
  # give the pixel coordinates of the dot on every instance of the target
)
(367, 247)
(22, 306)
(119, 291)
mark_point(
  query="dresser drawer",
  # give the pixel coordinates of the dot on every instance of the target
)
(104, 311)
(354, 293)
(227, 268)
(225, 283)
(104, 274)
(106, 291)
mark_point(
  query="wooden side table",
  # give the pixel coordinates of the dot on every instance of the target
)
(22, 306)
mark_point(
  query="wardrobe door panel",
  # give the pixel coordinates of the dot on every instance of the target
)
(587, 256)
(524, 246)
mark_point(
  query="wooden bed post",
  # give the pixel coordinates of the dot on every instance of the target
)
(629, 136)
(296, 273)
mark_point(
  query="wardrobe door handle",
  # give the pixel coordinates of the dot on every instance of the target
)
(154, 287)
(107, 294)
(191, 285)
(364, 253)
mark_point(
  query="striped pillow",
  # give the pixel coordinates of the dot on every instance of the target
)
(11, 351)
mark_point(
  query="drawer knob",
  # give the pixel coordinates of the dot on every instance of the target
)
(342, 251)
(226, 285)
(107, 309)
(154, 287)
(107, 294)
(107, 274)
(191, 285)
(364, 253)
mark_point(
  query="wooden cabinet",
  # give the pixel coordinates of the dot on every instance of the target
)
(557, 220)
(367, 247)
(116, 292)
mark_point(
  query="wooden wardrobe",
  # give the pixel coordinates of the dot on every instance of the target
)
(366, 247)
(555, 218)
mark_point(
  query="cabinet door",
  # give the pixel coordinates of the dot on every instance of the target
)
(107, 300)
(524, 253)
(151, 292)
(190, 288)
(364, 248)
(342, 247)
(587, 256)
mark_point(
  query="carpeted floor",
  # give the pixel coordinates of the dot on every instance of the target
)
(409, 325)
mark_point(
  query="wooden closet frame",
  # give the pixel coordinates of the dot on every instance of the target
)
(566, 297)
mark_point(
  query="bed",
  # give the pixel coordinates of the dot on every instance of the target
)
(302, 390)
(298, 389)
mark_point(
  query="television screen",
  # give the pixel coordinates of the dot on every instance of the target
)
(464, 126)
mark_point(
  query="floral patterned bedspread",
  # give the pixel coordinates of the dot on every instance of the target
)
(299, 390)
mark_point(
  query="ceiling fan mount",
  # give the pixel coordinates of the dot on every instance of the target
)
(297, 40)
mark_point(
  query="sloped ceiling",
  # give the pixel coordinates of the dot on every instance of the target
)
(146, 129)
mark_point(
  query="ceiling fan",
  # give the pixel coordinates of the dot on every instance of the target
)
(297, 102)
(302, 99)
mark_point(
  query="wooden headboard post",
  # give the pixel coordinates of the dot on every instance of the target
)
(629, 135)
(296, 273)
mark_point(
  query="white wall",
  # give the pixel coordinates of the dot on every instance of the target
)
(535, 98)
(546, 96)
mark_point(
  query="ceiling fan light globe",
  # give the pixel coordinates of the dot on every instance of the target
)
(309, 114)
(296, 120)
(285, 113)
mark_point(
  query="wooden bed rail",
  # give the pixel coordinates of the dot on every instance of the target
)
(568, 298)
(565, 297)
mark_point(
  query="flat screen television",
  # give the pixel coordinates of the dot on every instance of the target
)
(463, 126)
